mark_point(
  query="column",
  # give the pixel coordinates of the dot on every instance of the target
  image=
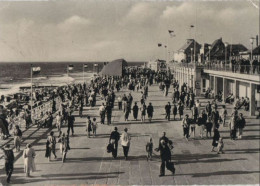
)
(252, 99)
(215, 79)
(236, 88)
(225, 89)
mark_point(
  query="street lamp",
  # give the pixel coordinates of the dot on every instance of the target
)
(252, 43)
(209, 51)
(191, 55)
(226, 45)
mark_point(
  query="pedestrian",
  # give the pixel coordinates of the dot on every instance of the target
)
(114, 138)
(9, 162)
(168, 111)
(186, 126)
(165, 154)
(241, 123)
(80, 110)
(88, 126)
(17, 138)
(209, 125)
(135, 111)
(127, 111)
(94, 127)
(149, 149)
(64, 146)
(143, 112)
(224, 115)
(232, 126)
(29, 164)
(216, 137)
(174, 111)
(109, 113)
(119, 100)
(58, 123)
(102, 112)
(180, 109)
(71, 120)
(220, 146)
(52, 144)
(47, 150)
(125, 142)
(150, 111)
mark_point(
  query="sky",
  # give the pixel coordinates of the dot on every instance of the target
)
(104, 30)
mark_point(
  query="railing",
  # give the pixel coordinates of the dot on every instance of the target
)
(240, 69)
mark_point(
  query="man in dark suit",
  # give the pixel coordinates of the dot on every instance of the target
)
(9, 162)
(114, 138)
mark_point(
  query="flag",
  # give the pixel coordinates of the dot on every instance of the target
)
(171, 32)
(159, 44)
(165, 46)
(85, 66)
(70, 67)
(36, 70)
(191, 26)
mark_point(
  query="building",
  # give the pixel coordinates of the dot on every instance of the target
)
(186, 52)
(241, 84)
(157, 65)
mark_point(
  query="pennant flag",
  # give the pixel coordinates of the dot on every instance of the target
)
(85, 66)
(70, 67)
(171, 32)
(165, 46)
(36, 70)
(159, 44)
(191, 26)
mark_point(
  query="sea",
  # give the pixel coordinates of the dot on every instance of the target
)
(14, 75)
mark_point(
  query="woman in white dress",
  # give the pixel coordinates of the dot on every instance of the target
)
(29, 155)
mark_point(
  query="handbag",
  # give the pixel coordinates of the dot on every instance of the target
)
(110, 148)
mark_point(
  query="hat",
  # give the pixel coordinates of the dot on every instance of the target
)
(115, 128)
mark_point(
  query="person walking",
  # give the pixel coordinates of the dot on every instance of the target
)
(58, 123)
(64, 146)
(168, 111)
(9, 162)
(88, 126)
(119, 101)
(216, 137)
(241, 123)
(135, 111)
(29, 164)
(174, 111)
(109, 113)
(102, 112)
(114, 138)
(186, 126)
(94, 127)
(17, 138)
(150, 111)
(127, 111)
(71, 120)
(143, 112)
(180, 109)
(165, 154)
(125, 142)
(52, 144)
(149, 149)
(232, 126)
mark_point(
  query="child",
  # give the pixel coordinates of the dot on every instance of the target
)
(94, 127)
(149, 149)
(220, 146)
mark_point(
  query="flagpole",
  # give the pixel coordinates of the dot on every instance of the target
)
(31, 90)
(83, 72)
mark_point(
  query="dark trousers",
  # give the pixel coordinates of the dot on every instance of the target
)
(102, 117)
(126, 149)
(169, 166)
(72, 130)
(120, 105)
(114, 152)
(168, 115)
(109, 119)
(233, 134)
(9, 167)
(186, 132)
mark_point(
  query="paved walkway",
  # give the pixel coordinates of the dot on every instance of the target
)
(89, 163)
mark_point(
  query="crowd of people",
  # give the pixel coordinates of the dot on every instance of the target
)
(107, 89)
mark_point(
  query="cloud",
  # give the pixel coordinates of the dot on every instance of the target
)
(74, 22)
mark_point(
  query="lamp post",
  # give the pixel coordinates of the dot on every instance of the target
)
(252, 44)
(191, 55)
(209, 51)
(226, 45)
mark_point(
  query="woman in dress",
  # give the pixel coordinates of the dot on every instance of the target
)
(29, 155)
(17, 138)
(215, 139)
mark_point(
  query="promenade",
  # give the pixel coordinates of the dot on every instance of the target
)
(89, 163)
